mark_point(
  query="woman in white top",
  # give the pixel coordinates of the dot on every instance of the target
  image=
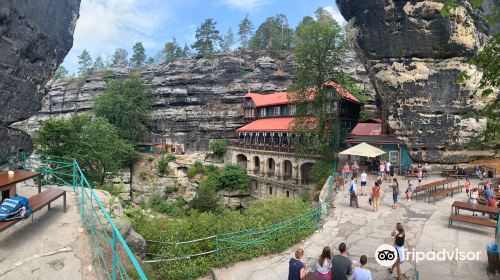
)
(324, 265)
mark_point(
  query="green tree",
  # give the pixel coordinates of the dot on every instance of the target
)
(487, 62)
(245, 32)
(218, 147)
(228, 41)
(317, 58)
(85, 62)
(150, 61)
(274, 34)
(92, 141)
(206, 200)
(119, 58)
(172, 51)
(98, 63)
(207, 37)
(126, 104)
(234, 177)
(60, 73)
(139, 56)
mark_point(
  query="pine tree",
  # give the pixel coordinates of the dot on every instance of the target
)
(119, 58)
(273, 34)
(172, 51)
(99, 63)
(60, 73)
(245, 32)
(85, 62)
(139, 55)
(228, 41)
(186, 51)
(207, 37)
(150, 61)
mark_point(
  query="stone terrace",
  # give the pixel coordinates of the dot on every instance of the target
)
(363, 231)
(54, 247)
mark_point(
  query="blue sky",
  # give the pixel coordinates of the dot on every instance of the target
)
(105, 25)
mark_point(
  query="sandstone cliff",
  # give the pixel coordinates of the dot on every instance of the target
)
(35, 36)
(412, 56)
(196, 99)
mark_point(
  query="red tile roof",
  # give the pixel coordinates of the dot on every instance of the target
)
(282, 98)
(268, 125)
(363, 129)
(343, 92)
(261, 100)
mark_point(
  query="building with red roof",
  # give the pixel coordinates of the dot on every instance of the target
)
(265, 145)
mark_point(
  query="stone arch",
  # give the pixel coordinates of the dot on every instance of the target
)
(256, 164)
(287, 170)
(270, 166)
(305, 173)
(241, 160)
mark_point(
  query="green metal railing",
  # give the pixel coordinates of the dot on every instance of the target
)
(110, 253)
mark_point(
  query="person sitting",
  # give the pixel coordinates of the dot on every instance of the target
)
(361, 273)
(296, 269)
(427, 168)
(324, 264)
(492, 203)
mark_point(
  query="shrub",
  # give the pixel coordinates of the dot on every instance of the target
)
(206, 200)
(195, 169)
(234, 177)
(304, 195)
(197, 225)
(159, 205)
(169, 190)
(150, 159)
(143, 175)
(170, 157)
(218, 147)
(162, 166)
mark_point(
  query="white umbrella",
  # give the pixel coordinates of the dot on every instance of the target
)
(364, 150)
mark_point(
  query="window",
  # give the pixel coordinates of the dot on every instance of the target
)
(394, 158)
(270, 190)
(293, 110)
(269, 111)
(287, 193)
(277, 111)
(263, 112)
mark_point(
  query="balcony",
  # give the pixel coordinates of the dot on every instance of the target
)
(261, 147)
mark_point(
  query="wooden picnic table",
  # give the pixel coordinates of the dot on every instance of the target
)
(432, 187)
(9, 181)
(459, 205)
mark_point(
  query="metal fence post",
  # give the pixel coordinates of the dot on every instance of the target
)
(83, 201)
(114, 255)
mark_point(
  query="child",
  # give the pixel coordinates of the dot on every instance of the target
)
(467, 187)
(473, 198)
(363, 182)
(296, 268)
(409, 190)
(420, 175)
(376, 196)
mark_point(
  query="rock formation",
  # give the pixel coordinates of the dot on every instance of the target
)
(35, 36)
(196, 99)
(413, 55)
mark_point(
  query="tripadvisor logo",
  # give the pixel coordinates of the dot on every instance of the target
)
(386, 255)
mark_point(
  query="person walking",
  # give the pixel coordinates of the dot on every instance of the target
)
(296, 268)
(342, 267)
(467, 187)
(355, 169)
(360, 272)
(324, 265)
(395, 192)
(364, 178)
(376, 196)
(382, 169)
(346, 171)
(387, 169)
(398, 234)
(409, 190)
(353, 193)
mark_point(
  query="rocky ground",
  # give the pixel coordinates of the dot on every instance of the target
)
(363, 231)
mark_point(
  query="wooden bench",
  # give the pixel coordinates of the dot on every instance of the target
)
(37, 202)
(446, 192)
(472, 220)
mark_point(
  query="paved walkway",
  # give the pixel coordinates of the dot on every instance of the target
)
(363, 231)
(54, 247)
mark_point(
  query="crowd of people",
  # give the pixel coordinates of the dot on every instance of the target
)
(340, 267)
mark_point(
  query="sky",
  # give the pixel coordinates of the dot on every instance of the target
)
(105, 25)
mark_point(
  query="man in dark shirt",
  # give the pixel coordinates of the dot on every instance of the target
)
(341, 265)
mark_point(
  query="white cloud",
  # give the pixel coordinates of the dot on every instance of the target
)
(336, 14)
(246, 4)
(105, 25)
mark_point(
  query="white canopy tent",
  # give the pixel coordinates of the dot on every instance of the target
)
(363, 150)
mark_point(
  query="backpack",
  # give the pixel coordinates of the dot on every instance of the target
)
(14, 209)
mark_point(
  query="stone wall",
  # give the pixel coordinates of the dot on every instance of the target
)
(413, 55)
